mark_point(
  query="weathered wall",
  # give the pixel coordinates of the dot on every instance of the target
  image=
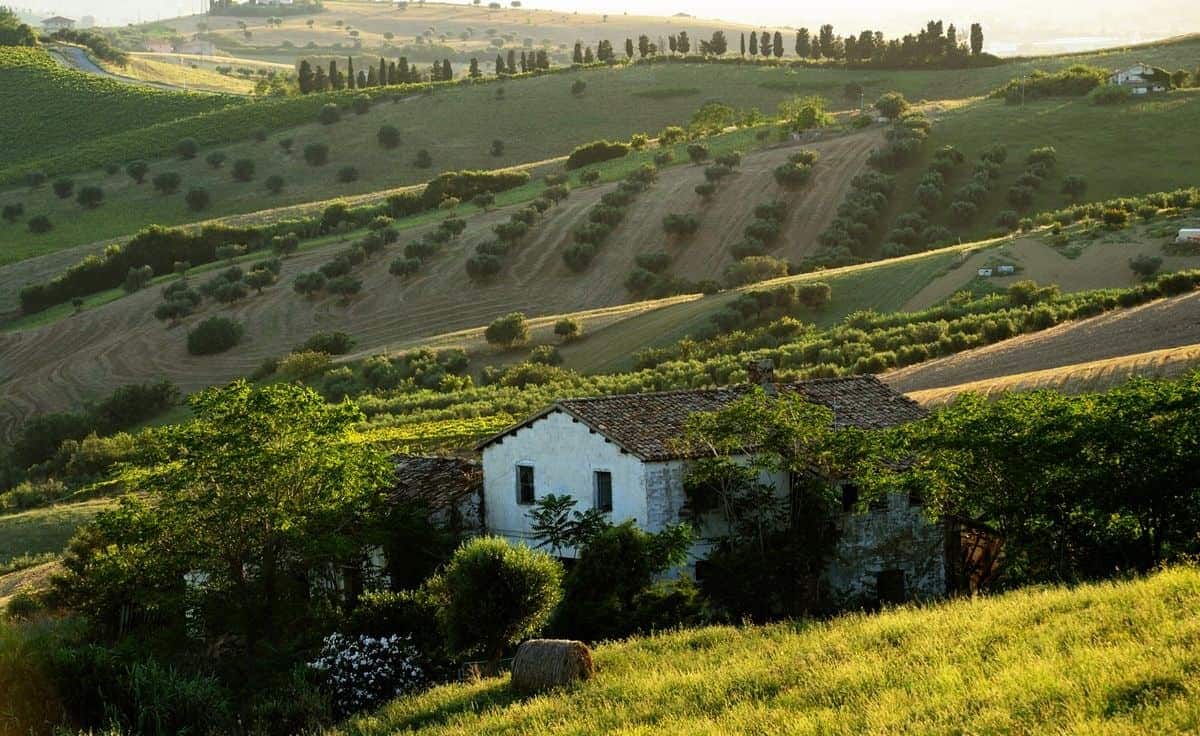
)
(564, 454)
(899, 537)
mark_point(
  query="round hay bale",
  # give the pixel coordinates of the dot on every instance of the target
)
(544, 664)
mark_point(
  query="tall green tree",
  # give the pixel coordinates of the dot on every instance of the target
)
(753, 44)
(263, 489)
(353, 81)
(304, 77)
(803, 43)
(777, 45)
(629, 48)
(976, 39)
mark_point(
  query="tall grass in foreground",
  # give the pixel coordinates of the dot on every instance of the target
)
(1115, 658)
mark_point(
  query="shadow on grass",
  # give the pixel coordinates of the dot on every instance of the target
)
(497, 695)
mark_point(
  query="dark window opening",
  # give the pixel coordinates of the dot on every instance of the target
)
(889, 587)
(849, 497)
(878, 503)
(604, 501)
(703, 567)
(915, 498)
(525, 495)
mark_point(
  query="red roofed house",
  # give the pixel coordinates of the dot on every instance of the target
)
(618, 454)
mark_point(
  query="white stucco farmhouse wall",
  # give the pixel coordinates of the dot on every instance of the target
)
(565, 454)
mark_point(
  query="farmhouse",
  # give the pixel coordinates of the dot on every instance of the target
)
(159, 46)
(1141, 79)
(198, 48)
(619, 454)
(58, 23)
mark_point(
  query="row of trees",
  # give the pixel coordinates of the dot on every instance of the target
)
(314, 78)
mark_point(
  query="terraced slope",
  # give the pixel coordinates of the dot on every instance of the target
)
(86, 355)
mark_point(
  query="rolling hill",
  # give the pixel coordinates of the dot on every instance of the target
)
(74, 359)
(538, 119)
(60, 107)
(1108, 658)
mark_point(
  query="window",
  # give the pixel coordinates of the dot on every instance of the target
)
(889, 586)
(603, 490)
(525, 494)
(849, 497)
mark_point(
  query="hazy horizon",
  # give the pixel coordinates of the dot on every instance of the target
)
(1010, 27)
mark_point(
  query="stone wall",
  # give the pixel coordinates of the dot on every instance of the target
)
(899, 537)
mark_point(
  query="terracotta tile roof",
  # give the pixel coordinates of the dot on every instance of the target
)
(647, 425)
(437, 482)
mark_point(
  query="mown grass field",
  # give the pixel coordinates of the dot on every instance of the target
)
(1115, 658)
(49, 109)
(44, 530)
(179, 71)
(1124, 150)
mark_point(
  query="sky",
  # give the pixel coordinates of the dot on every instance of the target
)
(1085, 23)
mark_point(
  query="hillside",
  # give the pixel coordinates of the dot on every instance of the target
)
(59, 106)
(457, 126)
(1095, 375)
(1109, 658)
(83, 356)
(1167, 323)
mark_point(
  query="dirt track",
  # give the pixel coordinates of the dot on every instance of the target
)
(1162, 324)
(83, 357)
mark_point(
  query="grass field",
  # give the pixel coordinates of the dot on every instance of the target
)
(51, 108)
(1124, 150)
(179, 71)
(1117, 658)
(44, 530)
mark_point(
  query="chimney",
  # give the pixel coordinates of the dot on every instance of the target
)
(762, 372)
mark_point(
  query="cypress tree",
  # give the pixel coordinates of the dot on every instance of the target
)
(543, 60)
(588, 57)
(473, 72)
(743, 44)
(577, 57)
(753, 43)
(335, 79)
(403, 69)
(778, 45)
(447, 71)
(393, 73)
(362, 79)
(383, 72)
(305, 77)
(435, 74)
(350, 72)
(372, 78)
(524, 63)
(499, 65)
(511, 63)
(320, 82)
(629, 48)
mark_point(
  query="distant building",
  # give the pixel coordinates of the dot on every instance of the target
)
(159, 46)
(1141, 79)
(58, 23)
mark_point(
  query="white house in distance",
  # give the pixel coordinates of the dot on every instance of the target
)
(618, 454)
(1141, 79)
(58, 23)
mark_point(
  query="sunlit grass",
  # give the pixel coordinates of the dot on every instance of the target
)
(1098, 659)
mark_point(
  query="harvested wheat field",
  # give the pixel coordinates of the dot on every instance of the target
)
(1165, 323)
(86, 355)
(1093, 376)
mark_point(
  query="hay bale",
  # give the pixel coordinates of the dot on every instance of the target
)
(543, 664)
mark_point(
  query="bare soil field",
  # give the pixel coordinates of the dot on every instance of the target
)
(1166, 323)
(83, 357)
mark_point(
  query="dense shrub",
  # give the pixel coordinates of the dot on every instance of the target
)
(389, 136)
(197, 199)
(316, 154)
(329, 114)
(243, 169)
(508, 331)
(483, 266)
(697, 152)
(331, 343)
(596, 152)
(214, 335)
(90, 197)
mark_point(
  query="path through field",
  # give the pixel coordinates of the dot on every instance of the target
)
(84, 357)
(1166, 323)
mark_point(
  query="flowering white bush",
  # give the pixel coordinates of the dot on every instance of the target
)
(363, 671)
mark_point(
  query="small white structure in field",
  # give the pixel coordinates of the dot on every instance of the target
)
(198, 48)
(1141, 79)
(985, 272)
(1006, 270)
(1189, 235)
(619, 454)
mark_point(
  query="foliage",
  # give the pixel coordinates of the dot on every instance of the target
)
(494, 594)
(596, 152)
(214, 335)
(508, 331)
(247, 528)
